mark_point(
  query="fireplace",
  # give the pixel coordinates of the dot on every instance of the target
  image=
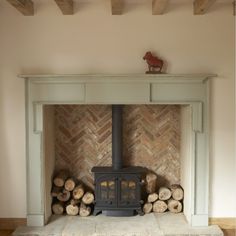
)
(118, 189)
(189, 91)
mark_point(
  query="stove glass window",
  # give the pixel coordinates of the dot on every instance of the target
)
(107, 190)
(128, 190)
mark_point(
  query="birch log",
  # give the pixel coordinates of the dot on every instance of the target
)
(88, 198)
(84, 210)
(72, 210)
(147, 207)
(63, 196)
(70, 184)
(159, 206)
(177, 192)
(174, 206)
(60, 178)
(58, 208)
(78, 192)
(164, 193)
(152, 197)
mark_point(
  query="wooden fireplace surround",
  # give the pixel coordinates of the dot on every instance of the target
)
(191, 90)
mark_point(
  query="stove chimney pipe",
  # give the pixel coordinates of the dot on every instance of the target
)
(117, 140)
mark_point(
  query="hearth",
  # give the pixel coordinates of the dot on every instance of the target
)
(118, 188)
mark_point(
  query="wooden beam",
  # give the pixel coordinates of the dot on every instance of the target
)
(117, 7)
(66, 6)
(159, 6)
(26, 7)
(202, 6)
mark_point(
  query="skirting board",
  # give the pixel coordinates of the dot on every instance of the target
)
(224, 223)
(12, 223)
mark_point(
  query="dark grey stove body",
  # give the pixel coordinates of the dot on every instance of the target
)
(117, 188)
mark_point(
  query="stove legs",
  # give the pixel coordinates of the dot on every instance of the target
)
(140, 212)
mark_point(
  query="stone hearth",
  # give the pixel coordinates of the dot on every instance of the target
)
(165, 224)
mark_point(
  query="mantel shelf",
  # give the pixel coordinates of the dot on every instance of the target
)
(117, 78)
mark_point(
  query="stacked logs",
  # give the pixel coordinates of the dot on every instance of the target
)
(165, 199)
(69, 196)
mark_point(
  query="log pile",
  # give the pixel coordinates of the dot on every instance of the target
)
(70, 196)
(165, 199)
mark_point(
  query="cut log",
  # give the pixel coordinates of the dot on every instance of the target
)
(151, 182)
(63, 196)
(159, 206)
(177, 192)
(75, 201)
(60, 178)
(164, 193)
(84, 210)
(72, 210)
(88, 198)
(174, 206)
(55, 191)
(152, 197)
(58, 208)
(147, 207)
(70, 184)
(78, 192)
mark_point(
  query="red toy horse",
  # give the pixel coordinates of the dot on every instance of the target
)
(153, 63)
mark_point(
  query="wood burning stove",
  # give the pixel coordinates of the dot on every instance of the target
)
(118, 188)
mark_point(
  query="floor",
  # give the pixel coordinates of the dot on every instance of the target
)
(167, 224)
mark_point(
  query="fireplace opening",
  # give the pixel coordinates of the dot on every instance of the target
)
(109, 149)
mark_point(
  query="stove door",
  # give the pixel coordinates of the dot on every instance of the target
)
(106, 191)
(129, 193)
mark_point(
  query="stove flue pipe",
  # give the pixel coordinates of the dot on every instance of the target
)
(117, 139)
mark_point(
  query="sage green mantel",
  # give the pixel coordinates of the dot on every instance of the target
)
(192, 90)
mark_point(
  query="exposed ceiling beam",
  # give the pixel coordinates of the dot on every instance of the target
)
(117, 7)
(26, 7)
(66, 6)
(202, 6)
(159, 6)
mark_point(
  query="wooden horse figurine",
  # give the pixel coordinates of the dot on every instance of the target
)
(153, 63)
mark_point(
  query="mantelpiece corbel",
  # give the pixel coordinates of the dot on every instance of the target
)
(189, 90)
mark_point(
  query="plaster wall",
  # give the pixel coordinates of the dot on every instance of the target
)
(93, 41)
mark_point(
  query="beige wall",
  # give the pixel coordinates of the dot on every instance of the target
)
(93, 41)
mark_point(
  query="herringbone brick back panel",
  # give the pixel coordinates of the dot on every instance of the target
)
(151, 135)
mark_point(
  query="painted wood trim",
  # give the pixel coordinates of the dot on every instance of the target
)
(176, 92)
(197, 109)
(66, 6)
(38, 117)
(26, 7)
(11, 223)
(117, 7)
(202, 6)
(223, 223)
(120, 76)
(159, 6)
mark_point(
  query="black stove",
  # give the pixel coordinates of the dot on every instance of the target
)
(117, 188)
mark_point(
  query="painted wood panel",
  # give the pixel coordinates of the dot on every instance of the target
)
(117, 93)
(57, 93)
(166, 92)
